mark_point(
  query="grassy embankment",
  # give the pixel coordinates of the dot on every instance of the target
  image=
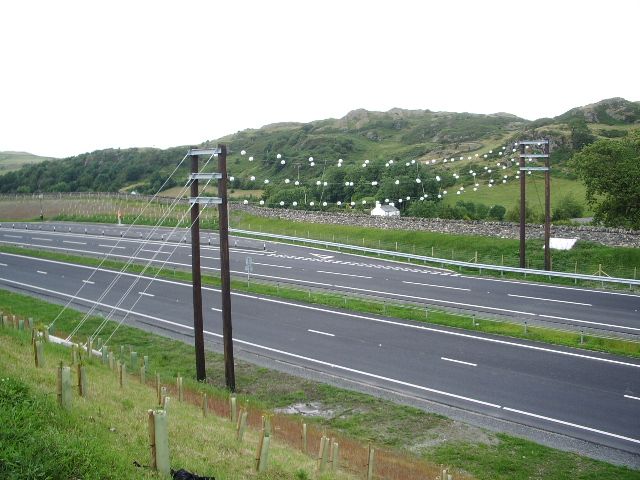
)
(102, 435)
(421, 435)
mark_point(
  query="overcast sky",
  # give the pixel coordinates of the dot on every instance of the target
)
(81, 76)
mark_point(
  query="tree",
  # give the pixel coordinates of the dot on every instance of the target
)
(610, 170)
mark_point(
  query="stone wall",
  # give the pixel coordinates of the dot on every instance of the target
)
(605, 236)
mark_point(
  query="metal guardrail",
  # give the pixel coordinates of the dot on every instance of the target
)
(444, 261)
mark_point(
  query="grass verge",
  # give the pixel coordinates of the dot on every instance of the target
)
(342, 301)
(425, 436)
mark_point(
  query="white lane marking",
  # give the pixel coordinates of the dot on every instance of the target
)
(321, 333)
(549, 300)
(13, 236)
(344, 314)
(42, 239)
(589, 322)
(42, 272)
(344, 274)
(89, 282)
(269, 265)
(458, 361)
(74, 242)
(146, 294)
(632, 397)
(438, 286)
(112, 246)
(574, 425)
(216, 309)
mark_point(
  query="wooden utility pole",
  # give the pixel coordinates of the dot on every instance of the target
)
(225, 277)
(524, 170)
(523, 216)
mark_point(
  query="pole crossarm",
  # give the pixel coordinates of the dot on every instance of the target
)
(205, 176)
(203, 151)
(543, 141)
(205, 200)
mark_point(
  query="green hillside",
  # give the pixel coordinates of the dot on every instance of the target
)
(420, 154)
(10, 161)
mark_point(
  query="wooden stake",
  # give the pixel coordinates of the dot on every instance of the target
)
(304, 437)
(370, 463)
(152, 439)
(39, 350)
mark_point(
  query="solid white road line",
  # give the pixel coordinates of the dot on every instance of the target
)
(574, 425)
(42, 272)
(89, 282)
(146, 294)
(112, 246)
(438, 286)
(458, 361)
(343, 274)
(321, 333)
(343, 314)
(588, 322)
(549, 300)
(75, 243)
(269, 265)
(632, 397)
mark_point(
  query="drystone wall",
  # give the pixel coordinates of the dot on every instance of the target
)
(606, 236)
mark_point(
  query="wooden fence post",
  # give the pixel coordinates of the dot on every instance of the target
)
(370, 463)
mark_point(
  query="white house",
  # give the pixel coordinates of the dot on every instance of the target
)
(385, 211)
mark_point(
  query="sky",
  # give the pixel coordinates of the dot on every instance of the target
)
(78, 76)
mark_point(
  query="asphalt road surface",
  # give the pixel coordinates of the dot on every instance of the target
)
(585, 395)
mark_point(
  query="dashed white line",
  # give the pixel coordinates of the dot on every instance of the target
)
(42, 272)
(146, 294)
(438, 286)
(549, 300)
(458, 361)
(75, 243)
(321, 333)
(343, 274)
(270, 265)
(632, 397)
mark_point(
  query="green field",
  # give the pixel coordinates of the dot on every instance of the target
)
(10, 161)
(508, 195)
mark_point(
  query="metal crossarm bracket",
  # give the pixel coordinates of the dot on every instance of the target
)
(534, 169)
(534, 155)
(205, 176)
(205, 200)
(203, 151)
(534, 142)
